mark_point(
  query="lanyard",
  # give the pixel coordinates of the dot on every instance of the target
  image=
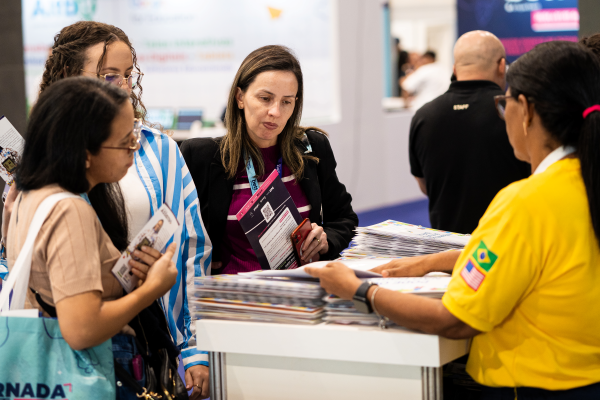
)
(558, 154)
(86, 198)
(252, 174)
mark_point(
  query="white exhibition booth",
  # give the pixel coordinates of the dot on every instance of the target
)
(262, 361)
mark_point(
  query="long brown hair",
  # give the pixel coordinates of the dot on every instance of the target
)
(69, 52)
(267, 58)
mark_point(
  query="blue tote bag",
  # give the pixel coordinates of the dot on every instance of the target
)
(35, 360)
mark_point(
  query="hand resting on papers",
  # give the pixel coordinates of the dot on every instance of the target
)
(336, 278)
(411, 311)
(419, 266)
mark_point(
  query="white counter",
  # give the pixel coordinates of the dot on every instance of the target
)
(278, 361)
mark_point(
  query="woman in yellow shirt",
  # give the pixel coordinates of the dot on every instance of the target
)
(526, 285)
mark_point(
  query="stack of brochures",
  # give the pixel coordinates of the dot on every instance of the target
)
(269, 299)
(392, 239)
(340, 311)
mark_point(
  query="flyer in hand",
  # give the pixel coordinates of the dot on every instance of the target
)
(157, 231)
(268, 219)
(11, 148)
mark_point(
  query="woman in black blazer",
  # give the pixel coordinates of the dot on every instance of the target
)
(264, 111)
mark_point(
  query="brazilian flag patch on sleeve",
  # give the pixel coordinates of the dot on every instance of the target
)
(484, 257)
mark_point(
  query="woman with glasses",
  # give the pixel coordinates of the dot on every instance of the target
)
(525, 287)
(70, 140)
(158, 175)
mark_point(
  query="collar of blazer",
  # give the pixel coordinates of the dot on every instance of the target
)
(221, 191)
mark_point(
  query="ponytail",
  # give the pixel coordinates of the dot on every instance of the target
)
(588, 150)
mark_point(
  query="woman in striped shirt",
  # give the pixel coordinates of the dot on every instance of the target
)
(262, 119)
(159, 175)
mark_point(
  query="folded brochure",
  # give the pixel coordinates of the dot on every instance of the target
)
(157, 231)
(11, 148)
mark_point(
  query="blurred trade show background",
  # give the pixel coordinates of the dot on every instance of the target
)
(352, 53)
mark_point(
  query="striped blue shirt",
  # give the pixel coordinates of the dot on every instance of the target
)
(165, 175)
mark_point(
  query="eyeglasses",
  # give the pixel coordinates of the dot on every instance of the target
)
(137, 132)
(500, 101)
(133, 80)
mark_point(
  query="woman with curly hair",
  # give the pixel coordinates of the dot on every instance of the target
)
(158, 175)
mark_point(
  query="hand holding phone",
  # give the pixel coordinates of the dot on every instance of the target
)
(298, 237)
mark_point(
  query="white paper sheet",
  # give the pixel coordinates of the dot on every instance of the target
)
(361, 269)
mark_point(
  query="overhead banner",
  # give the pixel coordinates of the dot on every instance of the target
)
(520, 24)
(190, 50)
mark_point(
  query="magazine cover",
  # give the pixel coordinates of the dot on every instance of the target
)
(157, 231)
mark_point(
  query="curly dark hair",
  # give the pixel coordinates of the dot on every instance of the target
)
(68, 55)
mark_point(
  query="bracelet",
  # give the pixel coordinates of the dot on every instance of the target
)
(373, 300)
(382, 320)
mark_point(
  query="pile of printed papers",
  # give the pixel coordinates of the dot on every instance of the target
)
(392, 239)
(279, 300)
(340, 311)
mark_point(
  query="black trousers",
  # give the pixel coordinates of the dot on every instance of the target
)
(591, 392)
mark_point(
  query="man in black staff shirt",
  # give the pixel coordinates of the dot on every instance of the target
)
(459, 150)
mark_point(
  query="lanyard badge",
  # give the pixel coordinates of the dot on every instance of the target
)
(252, 173)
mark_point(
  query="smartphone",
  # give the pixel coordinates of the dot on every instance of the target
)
(298, 237)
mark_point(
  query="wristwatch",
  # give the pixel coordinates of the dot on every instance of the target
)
(360, 300)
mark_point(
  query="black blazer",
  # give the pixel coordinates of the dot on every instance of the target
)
(331, 203)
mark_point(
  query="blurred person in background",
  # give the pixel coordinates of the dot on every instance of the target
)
(458, 149)
(157, 176)
(427, 82)
(263, 124)
(403, 58)
(399, 61)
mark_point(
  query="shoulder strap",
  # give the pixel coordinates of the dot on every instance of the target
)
(50, 310)
(18, 279)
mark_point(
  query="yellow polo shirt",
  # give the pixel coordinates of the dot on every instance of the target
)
(529, 279)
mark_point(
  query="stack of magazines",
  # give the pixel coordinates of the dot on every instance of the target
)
(340, 311)
(239, 298)
(392, 239)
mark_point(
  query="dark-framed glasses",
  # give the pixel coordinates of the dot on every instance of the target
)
(132, 80)
(500, 101)
(135, 145)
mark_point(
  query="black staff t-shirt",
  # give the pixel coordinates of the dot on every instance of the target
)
(458, 144)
